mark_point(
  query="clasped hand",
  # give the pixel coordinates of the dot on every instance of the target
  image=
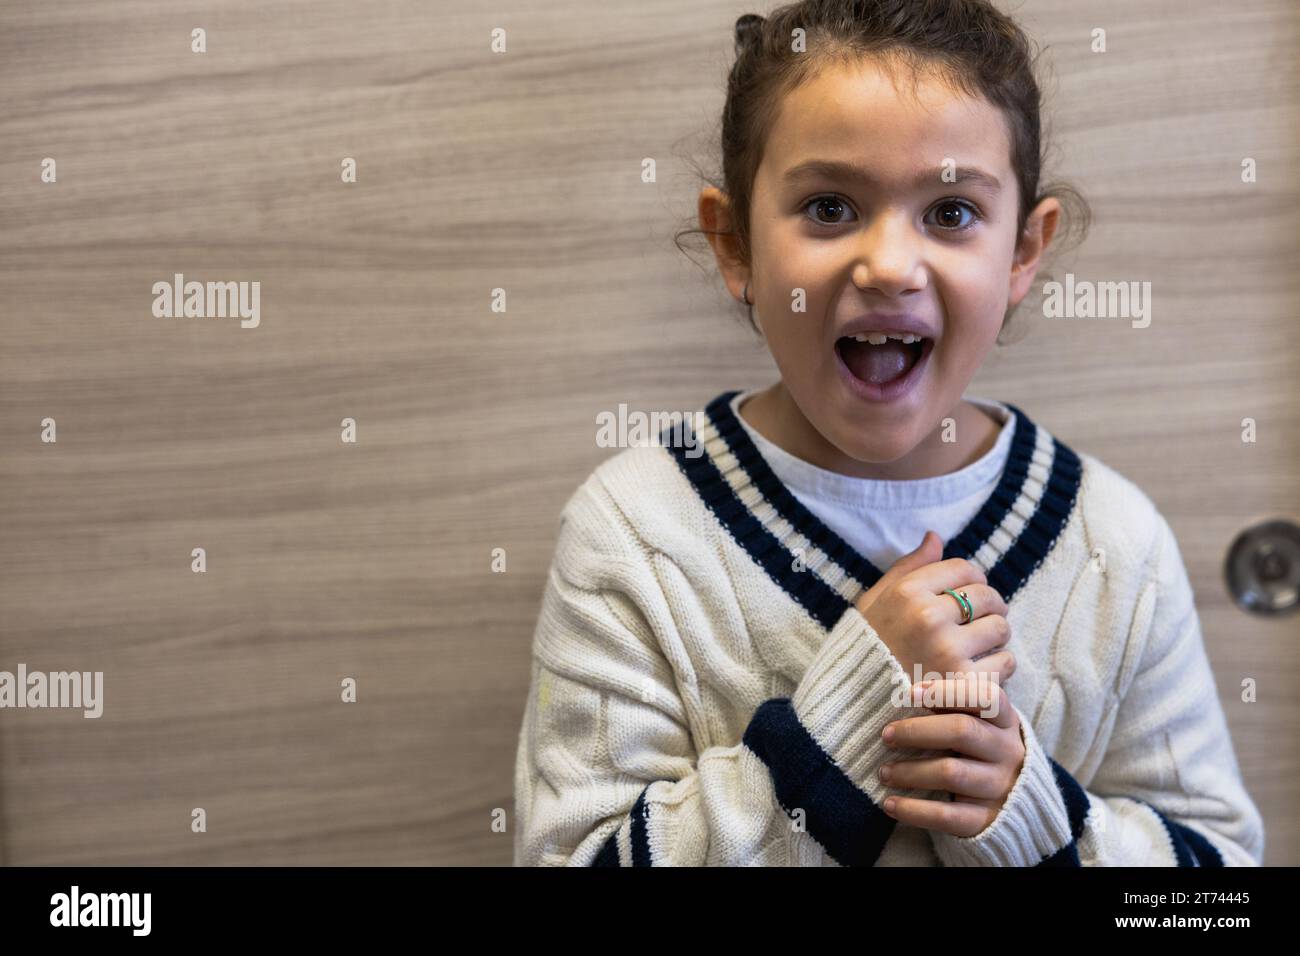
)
(984, 761)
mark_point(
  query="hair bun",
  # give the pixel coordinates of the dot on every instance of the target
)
(749, 28)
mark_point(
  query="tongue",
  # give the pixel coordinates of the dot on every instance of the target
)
(877, 364)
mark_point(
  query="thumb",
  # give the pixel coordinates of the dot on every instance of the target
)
(929, 551)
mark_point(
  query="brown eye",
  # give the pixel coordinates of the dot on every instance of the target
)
(830, 205)
(948, 214)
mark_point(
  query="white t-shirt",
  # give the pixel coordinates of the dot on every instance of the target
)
(884, 520)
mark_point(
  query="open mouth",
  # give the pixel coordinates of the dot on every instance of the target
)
(884, 364)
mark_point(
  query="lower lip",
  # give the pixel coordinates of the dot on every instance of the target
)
(891, 391)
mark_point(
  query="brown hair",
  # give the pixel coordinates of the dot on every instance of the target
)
(971, 44)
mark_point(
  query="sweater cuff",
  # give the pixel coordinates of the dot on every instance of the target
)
(851, 690)
(1031, 826)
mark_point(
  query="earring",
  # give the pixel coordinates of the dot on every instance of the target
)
(746, 296)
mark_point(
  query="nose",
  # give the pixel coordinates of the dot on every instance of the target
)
(889, 259)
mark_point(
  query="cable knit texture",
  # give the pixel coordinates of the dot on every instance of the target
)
(705, 692)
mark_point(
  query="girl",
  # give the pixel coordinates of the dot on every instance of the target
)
(723, 675)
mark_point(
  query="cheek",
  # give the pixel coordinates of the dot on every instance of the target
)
(787, 331)
(794, 342)
(974, 294)
(975, 290)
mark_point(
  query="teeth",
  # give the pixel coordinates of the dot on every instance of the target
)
(880, 338)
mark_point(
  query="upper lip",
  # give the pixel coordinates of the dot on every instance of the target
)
(897, 323)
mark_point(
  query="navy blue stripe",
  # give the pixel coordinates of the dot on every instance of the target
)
(608, 855)
(998, 505)
(1190, 847)
(1075, 797)
(824, 603)
(1067, 855)
(775, 491)
(1206, 854)
(1008, 574)
(1039, 535)
(639, 817)
(840, 816)
(1076, 809)
(640, 841)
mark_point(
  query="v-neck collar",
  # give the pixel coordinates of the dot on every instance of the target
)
(1008, 537)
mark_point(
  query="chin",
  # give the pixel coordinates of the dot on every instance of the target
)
(884, 448)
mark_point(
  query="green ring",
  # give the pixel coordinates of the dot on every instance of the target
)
(967, 611)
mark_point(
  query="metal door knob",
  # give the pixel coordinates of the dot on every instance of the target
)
(1262, 569)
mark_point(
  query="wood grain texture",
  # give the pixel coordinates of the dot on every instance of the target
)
(519, 171)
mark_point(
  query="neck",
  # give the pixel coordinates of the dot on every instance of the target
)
(775, 416)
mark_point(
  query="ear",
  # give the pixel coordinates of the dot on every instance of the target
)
(1039, 229)
(716, 221)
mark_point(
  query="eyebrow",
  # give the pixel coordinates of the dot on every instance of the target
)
(833, 169)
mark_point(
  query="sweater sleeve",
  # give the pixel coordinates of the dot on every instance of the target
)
(1168, 791)
(607, 771)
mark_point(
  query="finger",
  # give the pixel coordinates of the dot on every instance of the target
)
(1001, 663)
(963, 732)
(927, 552)
(955, 573)
(978, 694)
(958, 775)
(959, 819)
(982, 634)
(983, 600)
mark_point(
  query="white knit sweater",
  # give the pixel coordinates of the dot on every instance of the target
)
(704, 692)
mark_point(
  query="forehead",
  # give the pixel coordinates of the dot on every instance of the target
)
(894, 123)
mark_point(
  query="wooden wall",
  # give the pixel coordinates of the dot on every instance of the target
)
(520, 171)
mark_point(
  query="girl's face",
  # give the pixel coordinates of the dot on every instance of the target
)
(891, 238)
